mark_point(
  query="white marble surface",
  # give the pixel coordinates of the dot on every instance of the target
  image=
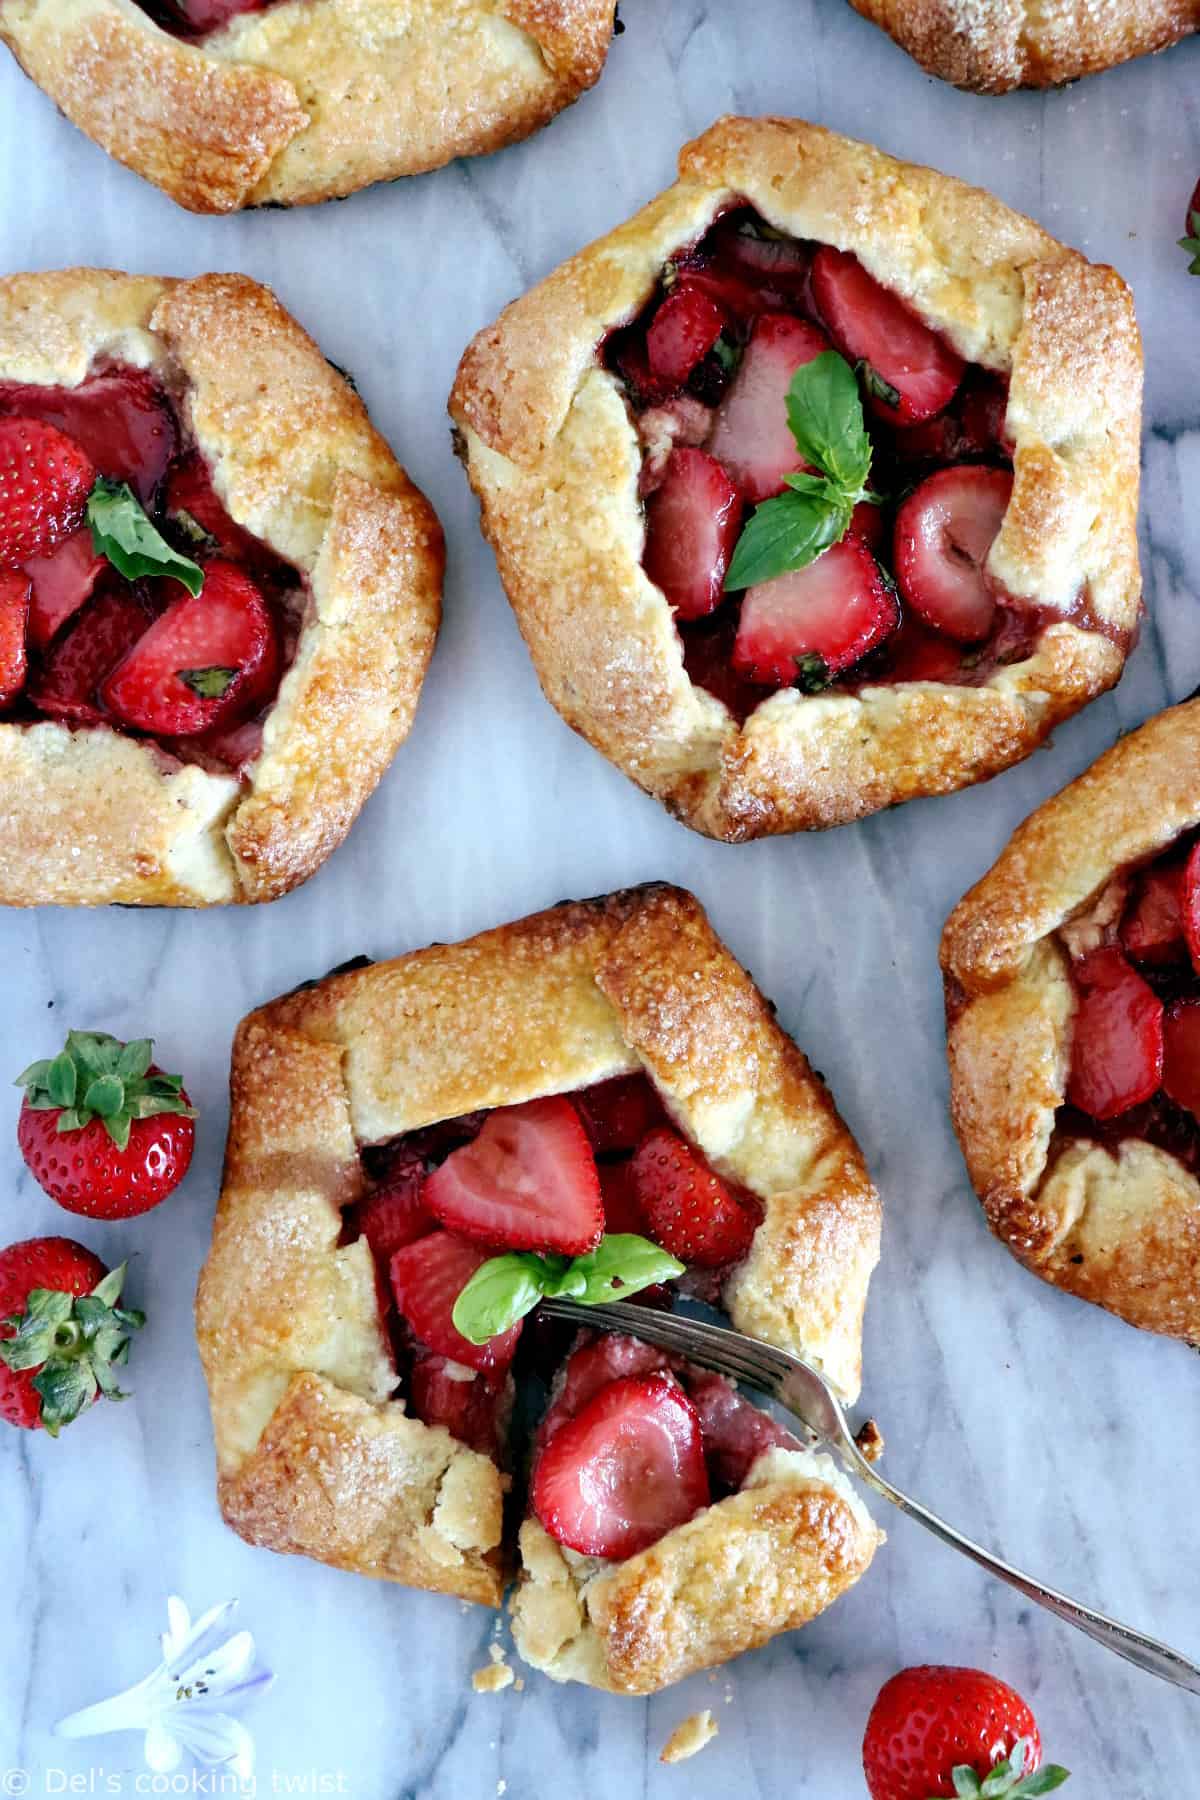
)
(1045, 1426)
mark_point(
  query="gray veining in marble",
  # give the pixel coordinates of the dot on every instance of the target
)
(1035, 1421)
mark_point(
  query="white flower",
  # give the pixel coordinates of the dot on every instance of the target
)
(181, 1705)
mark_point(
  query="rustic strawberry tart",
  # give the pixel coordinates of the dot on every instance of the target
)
(219, 593)
(594, 1101)
(1007, 44)
(813, 487)
(1073, 1000)
(243, 103)
(231, 103)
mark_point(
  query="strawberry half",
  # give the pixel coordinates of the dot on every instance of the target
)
(1152, 927)
(870, 324)
(207, 658)
(439, 1394)
(617, 1114)
(395, 1214)
(735, 1433)
(692, 524)
(527, 1182)
(688, 1209)
(66, 686)
(622, 1209)
(1191, 905)
(1117, 1047)
(683, 331)
(608, 1357)
(45, 480)
(122, 420)
(62, 580)
(627, 1469)
(14, 617)
(751, 434)
(427, 1277)
(944, 531)
(1181, 1054)
(831, 613)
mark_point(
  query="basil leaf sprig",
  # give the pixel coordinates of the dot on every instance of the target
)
(124, 533)
(824, 411)
(504, 1289)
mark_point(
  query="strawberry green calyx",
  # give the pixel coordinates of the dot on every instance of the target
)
(1191, 243)
(75, 1343)
(96, 1076)
(1010, 1779)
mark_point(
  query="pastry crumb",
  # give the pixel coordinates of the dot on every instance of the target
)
(496, 1675)
(689, 1737)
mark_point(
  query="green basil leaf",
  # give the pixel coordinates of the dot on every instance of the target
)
(123, 533)
(824, 410)
(501, 1291)
(785, 534)
(210, 684)
(623, 1264)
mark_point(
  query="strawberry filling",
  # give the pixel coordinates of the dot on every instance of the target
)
(138, 653)
(1135, 1036)
(193, 19)
(906, 594)
(555, 1179)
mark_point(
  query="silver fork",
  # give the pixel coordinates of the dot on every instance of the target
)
(805, 1393)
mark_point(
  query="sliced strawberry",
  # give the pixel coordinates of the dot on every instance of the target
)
(1181, 1054)
(14, 617)
(984, 414)
(62, 580)
(835, 610)
(708, 660)
(606, 1358)
(624, 1471)
(427, 1278)
(689, 1210)
(735, 1433)
(196, 18)
(45, 480)
(869, 524)
(751, 434)
(1191, 905)
(622, 1211)
(439, 1394)
(235, 746)
(748, 273)
(395, 1215)
(1152, 928)
(625, 352)
(206, 659)
(870, 324)
(1117, 1048)
(683, 331)
(527, 1182)
(944, 531)
(193, 501)
(692, 525)
(617, 1114)
(122, 419)
(66, 686)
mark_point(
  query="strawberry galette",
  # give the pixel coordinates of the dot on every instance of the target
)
(219, 593)
(1073, 999)
(595, 1101)
(813, 487)
(231, 103)
(1008, 44)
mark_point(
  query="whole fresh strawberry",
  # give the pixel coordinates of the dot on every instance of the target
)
(45, 480)
(62, 1334)
(104, 1131)
(937, 1731)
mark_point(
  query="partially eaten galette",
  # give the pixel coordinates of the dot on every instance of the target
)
(219, 593)
(594, 1101)
(1073, 1002)
(814, 486)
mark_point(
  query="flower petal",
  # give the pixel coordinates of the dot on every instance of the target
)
(179, 1625)
(217, 1738)
(162, 1749)
(220, 1667)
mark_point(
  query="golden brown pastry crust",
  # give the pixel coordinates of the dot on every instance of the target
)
(1121, 1227)
(90, 816)
(313, 1452)
(310, 98)
(992, 46)
(554, 457)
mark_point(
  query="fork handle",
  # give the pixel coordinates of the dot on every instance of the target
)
(1146, 1652)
